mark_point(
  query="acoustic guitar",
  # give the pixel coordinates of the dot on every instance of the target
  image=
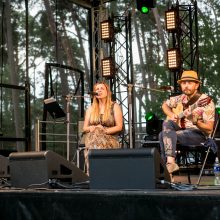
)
(181, 112)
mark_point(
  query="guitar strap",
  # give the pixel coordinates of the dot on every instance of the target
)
(193, 100)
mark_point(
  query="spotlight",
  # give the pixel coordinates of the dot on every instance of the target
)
(173, 58)
(149, 116)
(107, 30)
(144, 6)
(153, 126)
(52, 106)
(171, 20)
(108, 67)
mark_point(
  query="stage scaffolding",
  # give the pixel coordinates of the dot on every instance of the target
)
(185, 38)
(121, 50)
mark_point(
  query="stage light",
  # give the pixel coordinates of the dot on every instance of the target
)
(173, 58)
(144, 6)
(153, 126)
(108, 67)
(107, 30)
(149, 116)
(52, 106)
(171, 20)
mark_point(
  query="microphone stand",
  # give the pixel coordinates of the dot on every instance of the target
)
(130, 86)
(142, 87)
(69, 98)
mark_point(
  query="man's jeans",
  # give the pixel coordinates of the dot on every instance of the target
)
(172, 134)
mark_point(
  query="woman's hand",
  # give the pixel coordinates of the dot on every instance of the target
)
(93, 127)
(99, 126)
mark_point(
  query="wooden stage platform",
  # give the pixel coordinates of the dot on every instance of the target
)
(59, 204)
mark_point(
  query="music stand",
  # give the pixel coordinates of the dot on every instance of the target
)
(52, 106)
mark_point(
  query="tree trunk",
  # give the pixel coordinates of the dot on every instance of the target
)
(160, 31)
(52, 26)
(75, 18)
(13, 76)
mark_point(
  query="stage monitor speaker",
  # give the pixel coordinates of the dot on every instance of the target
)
(4, 167)
(126, 169)
(28, 168)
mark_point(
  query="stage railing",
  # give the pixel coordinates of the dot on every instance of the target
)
(58, 138)
(140, 132)
(53, 137)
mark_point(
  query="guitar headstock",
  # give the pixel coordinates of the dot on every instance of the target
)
(204, 102)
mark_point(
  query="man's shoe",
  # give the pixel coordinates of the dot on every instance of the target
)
(172, 167)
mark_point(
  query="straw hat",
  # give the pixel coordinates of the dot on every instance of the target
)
(189, 75)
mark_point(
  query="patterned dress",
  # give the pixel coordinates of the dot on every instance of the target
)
(98, 139)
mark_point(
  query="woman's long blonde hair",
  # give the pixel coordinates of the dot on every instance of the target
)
(95, 114)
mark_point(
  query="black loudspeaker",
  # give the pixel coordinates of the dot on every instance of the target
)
(126, 169)
(28, 168)
(4, 167)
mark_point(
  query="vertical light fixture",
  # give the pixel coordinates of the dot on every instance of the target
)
(107, 35)
(107, 30)
(108, 67)
(173, 59)
(171, 20)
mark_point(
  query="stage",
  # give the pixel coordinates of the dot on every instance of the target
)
(45, 203)
(38, 187)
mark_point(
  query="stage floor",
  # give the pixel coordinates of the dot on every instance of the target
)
(205, 180)
(56, 204)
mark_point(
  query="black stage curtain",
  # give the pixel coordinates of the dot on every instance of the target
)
(155, 204)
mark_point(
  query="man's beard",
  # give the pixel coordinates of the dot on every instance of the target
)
(188, 92)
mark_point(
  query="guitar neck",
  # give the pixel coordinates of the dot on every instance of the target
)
(182, 114)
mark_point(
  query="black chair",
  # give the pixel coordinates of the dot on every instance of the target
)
(197, 154)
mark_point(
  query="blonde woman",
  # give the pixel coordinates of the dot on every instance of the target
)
(103, 121)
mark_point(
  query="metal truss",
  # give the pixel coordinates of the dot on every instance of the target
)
(189, 36)
(186, 39)
(120, 50)
(124, 77)
(99, 13)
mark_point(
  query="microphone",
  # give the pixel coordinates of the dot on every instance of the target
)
(93, 93)
(166, 88)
